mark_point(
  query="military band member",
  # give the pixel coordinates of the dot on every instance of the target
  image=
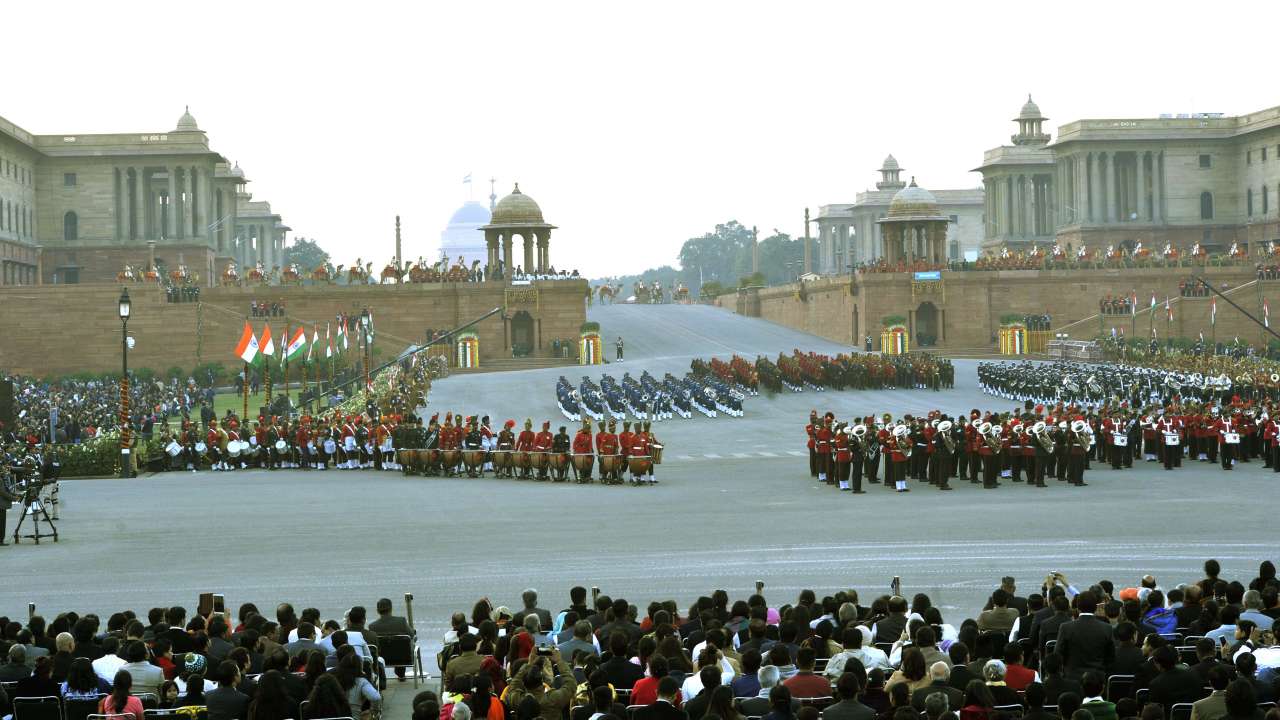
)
(524, 443)
(582, 446)
(943, 446)
(842, 455)
(822, 448)
(651, 440)
(473, 440)
(488, 441)
(506, 442)
(1228, 431)
(810, 431)
(1078, 445)
(542, 444)
(560, 446)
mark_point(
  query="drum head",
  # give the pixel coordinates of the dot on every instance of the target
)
(201, 447)
(281, 445)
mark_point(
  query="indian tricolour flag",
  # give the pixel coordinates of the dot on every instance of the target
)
(266, 346)
(341, 343)
(328, 339)
(247, 348)
(297, 346)
(313, 350)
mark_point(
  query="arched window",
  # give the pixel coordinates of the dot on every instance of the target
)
(70, 226)
(1206, 206)
(1248, 202)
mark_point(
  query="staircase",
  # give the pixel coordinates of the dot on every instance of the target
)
(514, 364)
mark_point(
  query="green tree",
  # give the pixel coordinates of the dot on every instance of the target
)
(307, 254)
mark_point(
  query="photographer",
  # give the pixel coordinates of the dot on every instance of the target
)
(534, 681)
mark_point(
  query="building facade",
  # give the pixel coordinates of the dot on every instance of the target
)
(78, 208)
(850, 235)
(1173, 180)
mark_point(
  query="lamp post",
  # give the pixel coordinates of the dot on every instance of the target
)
(364, 337)
(126, 307)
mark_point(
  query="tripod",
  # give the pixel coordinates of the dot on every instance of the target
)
(33, 507)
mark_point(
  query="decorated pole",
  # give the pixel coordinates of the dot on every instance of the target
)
(244, 386)
(287, 345)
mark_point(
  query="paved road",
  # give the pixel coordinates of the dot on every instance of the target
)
(333, 539)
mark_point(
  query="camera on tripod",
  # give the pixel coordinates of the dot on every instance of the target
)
(21, 480)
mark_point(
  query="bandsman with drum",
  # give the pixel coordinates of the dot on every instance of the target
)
(583, 458)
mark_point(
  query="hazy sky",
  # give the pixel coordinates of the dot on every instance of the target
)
(635, 126)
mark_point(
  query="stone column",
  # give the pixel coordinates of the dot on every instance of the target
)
(1113, 185)
(1141, 181)
(171, 215)
(1095, 190)
(1157, 176)
(122, 205)
(140, 203)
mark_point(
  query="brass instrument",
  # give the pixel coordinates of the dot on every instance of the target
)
(992, 439)
(1040, 431)
(944, 427)
(1082, 438)
(902, 440)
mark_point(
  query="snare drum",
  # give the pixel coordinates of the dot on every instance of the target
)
(657, 453)
(1171, 439)
(1231, 438)
(330, 447)
(1120, 440)
(174, 449)
(281, 446)
(201, 448)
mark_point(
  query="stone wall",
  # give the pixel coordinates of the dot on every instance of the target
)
(56, 330)
(966, 307)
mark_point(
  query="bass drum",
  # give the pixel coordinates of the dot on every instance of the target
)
(502, 459)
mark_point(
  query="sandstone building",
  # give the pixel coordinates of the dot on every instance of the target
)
(77, 208)
(848, 234)
(1173, 179)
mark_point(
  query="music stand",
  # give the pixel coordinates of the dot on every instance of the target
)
(31, 505)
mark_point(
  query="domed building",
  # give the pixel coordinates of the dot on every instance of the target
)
(460, 237)
(915, 228)
(517, 215)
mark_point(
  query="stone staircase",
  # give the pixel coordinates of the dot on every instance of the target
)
(515, 364)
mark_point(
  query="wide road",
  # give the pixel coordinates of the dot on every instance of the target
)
(735, 504)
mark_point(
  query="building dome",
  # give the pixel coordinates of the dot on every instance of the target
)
(187, 123)
(890, 164)
(236, 171)
(471, 213)
(1030, 111)
(913, 200)
(517, 209)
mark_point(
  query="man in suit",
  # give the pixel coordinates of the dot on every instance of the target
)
(1207, 654)
(305, 643)
(664, 708)
(1190, 609)
(1000, 617)
(225, 702)
(1128, 655)
(889, 629)
(1086, 643)
(467, 662)
(388, 624)
(927, 641)
(147, 678)
(530, 598)
(1010, 588)
(848, 686)
(621, 624)
(176, 618)
(621, 672)
(939, 681)
(759, 705)
(1176, 683)
(16, 668)
(960, 674)
(1055, 685)
(1213, 707)
(219, 646)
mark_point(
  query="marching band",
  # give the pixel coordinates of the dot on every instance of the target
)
(1034, 444)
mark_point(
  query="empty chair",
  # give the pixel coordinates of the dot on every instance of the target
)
(37, 708)
(400, 651)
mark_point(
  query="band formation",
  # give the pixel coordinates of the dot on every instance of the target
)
(457, 447)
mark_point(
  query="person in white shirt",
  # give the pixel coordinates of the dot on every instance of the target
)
(693, 684)
(857, 645)
(109, 664)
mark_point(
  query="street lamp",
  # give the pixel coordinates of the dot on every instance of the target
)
(364, 332)
(125, 308)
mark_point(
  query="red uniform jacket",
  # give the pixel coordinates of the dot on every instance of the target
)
(843, 455)
(624, 442)
(542, 441)
(582, 443)
(606, 443)
(524, 441)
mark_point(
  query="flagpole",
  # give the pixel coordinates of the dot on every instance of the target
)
(245, 389)
(266, 371)
(287, 402)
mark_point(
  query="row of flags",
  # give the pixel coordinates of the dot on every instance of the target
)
(257, 349)
(1213, 308)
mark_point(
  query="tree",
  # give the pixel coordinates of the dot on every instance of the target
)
(306, 253)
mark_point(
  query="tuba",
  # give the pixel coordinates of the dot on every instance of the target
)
(993, 439)
(902, 440)
(1042, 436)
(944, 427)
(1083, 438)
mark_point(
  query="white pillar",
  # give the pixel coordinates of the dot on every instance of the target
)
(1142, 186)
(1113, 184)
(171, 226)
